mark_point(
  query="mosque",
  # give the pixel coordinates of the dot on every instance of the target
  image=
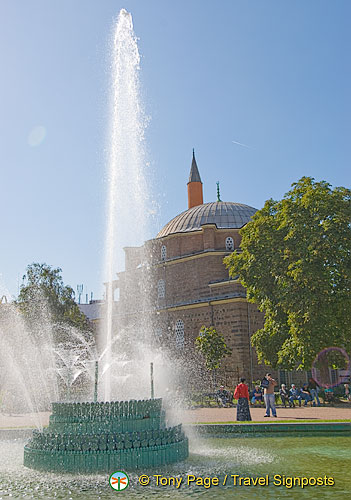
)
(188, 286)
(191, 286)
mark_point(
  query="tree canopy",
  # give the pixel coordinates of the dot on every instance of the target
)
(43, 287)
(212, 346)
(295, 261)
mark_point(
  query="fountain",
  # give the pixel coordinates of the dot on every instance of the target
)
(101, 437)
(91, 437)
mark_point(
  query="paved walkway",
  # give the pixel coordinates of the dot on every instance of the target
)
(24, 420)
(257, 414)
(205, 415)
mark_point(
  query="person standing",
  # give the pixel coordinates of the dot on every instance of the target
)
(313, 388)
(269, 397)
(241, 393)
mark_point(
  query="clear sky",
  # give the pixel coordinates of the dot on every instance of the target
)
(272, 75)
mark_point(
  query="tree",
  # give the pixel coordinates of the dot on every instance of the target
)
(213, 348)
(295, 262)
(43, 288)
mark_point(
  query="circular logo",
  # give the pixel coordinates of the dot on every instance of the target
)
(119, 480)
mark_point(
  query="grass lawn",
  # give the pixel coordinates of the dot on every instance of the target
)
(273, 420)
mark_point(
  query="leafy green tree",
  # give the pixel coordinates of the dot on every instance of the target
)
(213, 348)
(43, 291)
(295, 262)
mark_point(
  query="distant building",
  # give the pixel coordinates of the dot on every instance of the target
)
(92, 310)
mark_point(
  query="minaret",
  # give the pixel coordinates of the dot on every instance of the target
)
(195, 196)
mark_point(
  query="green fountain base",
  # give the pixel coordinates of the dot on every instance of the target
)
(104, 437)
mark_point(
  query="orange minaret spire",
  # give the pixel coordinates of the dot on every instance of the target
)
(195, 196)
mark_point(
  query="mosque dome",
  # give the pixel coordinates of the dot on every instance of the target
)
(225, 215)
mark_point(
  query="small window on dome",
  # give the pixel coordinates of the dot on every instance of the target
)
(163, 252)
(229, 244)
(179, 331)
(161, 289)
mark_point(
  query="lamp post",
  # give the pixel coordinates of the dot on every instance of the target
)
(96, 379)
(152, 379)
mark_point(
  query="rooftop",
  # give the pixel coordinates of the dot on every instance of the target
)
(224, 214)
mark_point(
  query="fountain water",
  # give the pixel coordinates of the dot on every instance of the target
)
(128, 193)
(126, 333)
(101, 437)
(68, 367)
(27, 363)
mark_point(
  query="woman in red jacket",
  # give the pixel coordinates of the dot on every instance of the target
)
(241, 393)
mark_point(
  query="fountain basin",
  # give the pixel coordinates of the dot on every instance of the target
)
(312, 456)
(100, 437)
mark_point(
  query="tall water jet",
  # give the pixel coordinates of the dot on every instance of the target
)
(113, 435)
(127, 187)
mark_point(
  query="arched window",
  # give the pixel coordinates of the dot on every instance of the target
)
(161, 289)
(163, 252)
(229, 244)
(179, 330)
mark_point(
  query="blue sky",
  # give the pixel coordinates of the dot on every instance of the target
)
(272, 75)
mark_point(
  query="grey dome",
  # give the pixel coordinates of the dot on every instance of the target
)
(222, 213)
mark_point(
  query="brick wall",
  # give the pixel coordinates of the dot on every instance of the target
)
(197, 291)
